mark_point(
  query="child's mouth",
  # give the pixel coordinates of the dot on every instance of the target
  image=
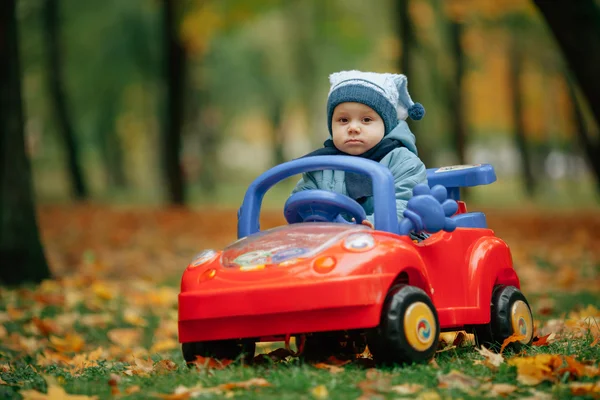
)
(353, 141)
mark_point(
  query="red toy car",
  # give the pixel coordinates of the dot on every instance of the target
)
(337, 286)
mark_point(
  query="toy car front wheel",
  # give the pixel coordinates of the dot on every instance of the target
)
(510, 314)
(220, 349)
(409, 328)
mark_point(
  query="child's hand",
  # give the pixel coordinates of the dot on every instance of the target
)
(368, 223)
(365, 222)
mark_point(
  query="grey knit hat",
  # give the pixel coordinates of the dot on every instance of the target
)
(387, 94)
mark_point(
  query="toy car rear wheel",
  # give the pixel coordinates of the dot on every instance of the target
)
(219, 349)
(510, 314)
(409, 328)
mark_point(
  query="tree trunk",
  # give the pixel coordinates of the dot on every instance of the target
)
(277, 132)
(59, 103)
(591, 149)
(110, 146)
(456, 98)
(514, 79)
(407, 39)
(576, 27)
(21, 254)
(175, 80)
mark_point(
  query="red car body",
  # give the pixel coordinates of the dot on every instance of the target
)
(321, 284)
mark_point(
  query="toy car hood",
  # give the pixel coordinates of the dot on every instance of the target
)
(286, 244)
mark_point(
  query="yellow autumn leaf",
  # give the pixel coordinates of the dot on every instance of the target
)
(164, 345)
(125, 337)
(54, 393)
(458, 380)
(133, 316)
(71, 342)
(319, 392)
(101, 290)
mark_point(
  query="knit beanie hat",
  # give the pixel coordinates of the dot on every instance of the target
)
(387, 94)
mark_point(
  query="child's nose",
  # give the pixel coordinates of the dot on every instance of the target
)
(354, 127)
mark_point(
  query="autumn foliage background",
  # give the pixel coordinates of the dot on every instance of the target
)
(171, 108)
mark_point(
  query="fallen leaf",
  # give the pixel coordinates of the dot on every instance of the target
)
(585, 389)
(502, 389)
(319, 392)
(125, 337)
(457, 380)
(511, 339)
(331, 368)
(71, 342)
(259, 382)
(407, 388)
(210, 363)
(165, 365)
(139, 367)
(3, 332)
(544, 340)
(534, 370)
(429, 395)
(491, 360)
(164, 345)
(54, 393)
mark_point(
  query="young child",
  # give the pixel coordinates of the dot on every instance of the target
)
(366, 115)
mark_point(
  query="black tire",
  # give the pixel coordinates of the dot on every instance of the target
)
(409, 329)
(219, 349)
(509, 311)
(319, 347)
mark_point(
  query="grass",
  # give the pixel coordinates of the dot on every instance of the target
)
(289, 379)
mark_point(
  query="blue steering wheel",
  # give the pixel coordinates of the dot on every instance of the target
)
(321, 206)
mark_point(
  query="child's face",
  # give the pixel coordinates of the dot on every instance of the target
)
(356, 128)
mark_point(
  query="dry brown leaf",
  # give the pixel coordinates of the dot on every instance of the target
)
(491, 360)
(3, 332)
(331, 368)
(46, 326)
(113, 382)
(54, 393)
(210, 363)
(4, 367)
(458, 380)
(502, 389)
(125, 337)
(585, 389)
(407, 388)
(335, 361)
(2, 382)
(71, 342)
(319, 392)
(165, 366)
(164, 345)
(254, 382)
(511, 339)
(545, 340)
(139, 367)
(534, 370)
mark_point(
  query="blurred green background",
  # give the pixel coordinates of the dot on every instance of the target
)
(151, 102)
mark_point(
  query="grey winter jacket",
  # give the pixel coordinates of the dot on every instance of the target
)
(406, 167)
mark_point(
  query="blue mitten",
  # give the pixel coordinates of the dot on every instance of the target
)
(428, 210)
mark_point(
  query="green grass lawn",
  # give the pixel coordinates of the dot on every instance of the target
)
(39, 352)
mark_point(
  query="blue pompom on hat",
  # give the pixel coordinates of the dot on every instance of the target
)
(385, 93)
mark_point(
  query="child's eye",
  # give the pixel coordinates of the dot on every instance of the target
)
(367, 119)
(343, 120)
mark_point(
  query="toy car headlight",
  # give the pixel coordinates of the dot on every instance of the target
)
(203, 257)
(359, 242)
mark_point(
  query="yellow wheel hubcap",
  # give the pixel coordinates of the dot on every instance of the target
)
(521, 320)
(419, 326)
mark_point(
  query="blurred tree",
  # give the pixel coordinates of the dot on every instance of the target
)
(58, 97)
(174, 74)
(516, 89)
(590, 147)
(21, 254)
(406, 33)
(576, 27)
(455, 100)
